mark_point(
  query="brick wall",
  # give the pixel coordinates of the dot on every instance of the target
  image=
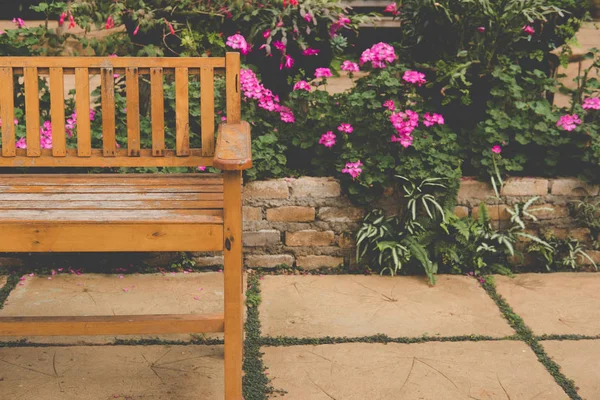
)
(307, 222)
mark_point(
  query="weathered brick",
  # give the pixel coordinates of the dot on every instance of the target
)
(525, 187)
(594, 255)
(272, 189)
(549, 211)
(269, 260)
(461, 211)
(581, 234)
(314, 262)
(291, 214)
(315, 187)
(309, 238)
(267, 237)
(208, 261)
(252, 213)
(338, 214)
(471, 189)
(346, 241)
(572, 187)
(497, 213)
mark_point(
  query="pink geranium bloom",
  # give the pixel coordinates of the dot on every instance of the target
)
(496, 149)
(346, 128)
(481, 29)
(19, 22)
(237, 41)
(404, 123)
(568, 122)
(327, 139)
(591, 103)
(302, 85)
(418, 78)
(201, 168)
(390, 105)
(322, 72)
(287, 63)
(378, 55)
(528, 29)
(432, 119)
(353, 169)
(21, 143)
(349, 66)
(286, 115)
(310, 52)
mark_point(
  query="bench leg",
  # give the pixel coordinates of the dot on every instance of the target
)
(234, 318)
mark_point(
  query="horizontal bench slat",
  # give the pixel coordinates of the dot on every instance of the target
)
(113, 216)
(110, 189)
(111, 325)
(113, 62)
(111, 179)
(111, 205)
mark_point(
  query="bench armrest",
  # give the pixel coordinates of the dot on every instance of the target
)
(234, 150)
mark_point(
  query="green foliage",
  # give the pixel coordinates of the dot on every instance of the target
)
(558, 254)
(587, 214)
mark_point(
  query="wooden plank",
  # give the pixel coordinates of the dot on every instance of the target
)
(120, 70)
(111, 205)
(97, 159)
(133, 112)
(84, 237)
(82, 106)
(207, 96)
(234, 147)
(234, 316)
(56, 189)
(109, 144)
(112, 197)
(113, 62)
(232, 81)
(157, 100)
(57, 112)
(32, 111)
(111, 179)
(182, 116)
(114, 217)
(111, 325)
(7, 112)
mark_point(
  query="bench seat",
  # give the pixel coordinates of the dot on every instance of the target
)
(111, 212)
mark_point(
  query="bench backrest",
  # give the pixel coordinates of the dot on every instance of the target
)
(106, 67)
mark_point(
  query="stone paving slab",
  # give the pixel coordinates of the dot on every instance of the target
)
(112, 372)
(355, 305)
(98, 294)
(427, 371)
(579, 361)
(557, 303)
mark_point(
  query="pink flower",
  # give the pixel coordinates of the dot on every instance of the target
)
(591, 103)
(432, 119)
(378, 55)
(71, 21)
(19, 22)
(496, 149)
(528, 29)
(391, 8)
(137, 29)
(310, 52)
(279, 45)
(481, 29)
(201, 168)
(110, 22)
(237, 41)
(61, 20)
(322, 72)
(21, 143)
(418, 78)
(308, 17)
(349, 66)
(327, 139)
(389, 104)
(286, 115)
(568, 122)
(346, 128)
(171, 29)
(302, 85)
(404, 123)
(266, 34)
(287, 63)
(353, 169)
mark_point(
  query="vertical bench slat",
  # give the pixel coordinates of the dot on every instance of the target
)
(32, 111)
(108, 112)
(182, 118)
(157, 100)
(232, 81)
(133, 112)
(57, 112)
(82, 107)
(7, 110)
(207, 90)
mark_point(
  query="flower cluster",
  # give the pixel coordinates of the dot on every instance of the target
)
(345, 128)
(390, 105)
(404, 123)
(432, 119)
(349, 66)
(72, 121)
(378, 55)
(253, 89)
(302, 85)
(327, 139)
(18, 22)
(45, 137)
(496, 149)
(353, 169)
(338, 25)
(237, 41)
(568, 122)
(322, 73)
(591, 103)
(415, 77)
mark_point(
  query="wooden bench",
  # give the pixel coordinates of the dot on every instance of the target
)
(134, 212)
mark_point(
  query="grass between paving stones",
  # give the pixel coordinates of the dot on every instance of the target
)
(567, 337)
(525, 334)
